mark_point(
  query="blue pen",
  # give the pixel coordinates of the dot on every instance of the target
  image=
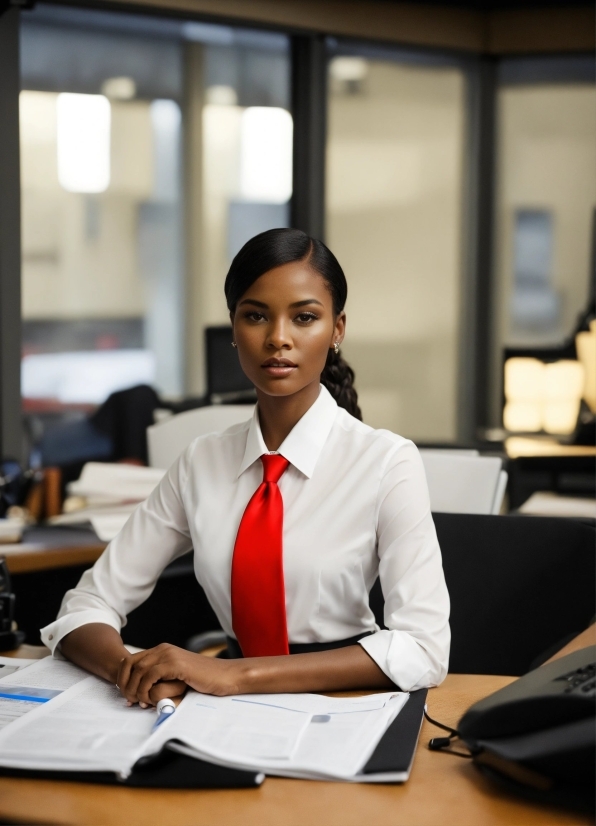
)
(165, 708)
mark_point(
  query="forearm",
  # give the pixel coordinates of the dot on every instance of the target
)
(149, 675)
(97, 647)
(338, 670)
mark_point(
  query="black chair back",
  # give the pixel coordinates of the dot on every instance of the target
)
(518, 586)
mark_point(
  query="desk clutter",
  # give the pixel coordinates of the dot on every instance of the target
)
(58, 721)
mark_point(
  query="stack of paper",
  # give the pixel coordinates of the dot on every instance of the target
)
(107, 494)
(546, 503)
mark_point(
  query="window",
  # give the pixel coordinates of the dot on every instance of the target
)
(546, 155)
(125, 120)
(546, 196)
(394, 192)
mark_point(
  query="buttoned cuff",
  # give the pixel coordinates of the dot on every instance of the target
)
(402, 659)
(53, 633)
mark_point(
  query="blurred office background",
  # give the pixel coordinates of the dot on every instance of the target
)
(456, 188)
(445, 152)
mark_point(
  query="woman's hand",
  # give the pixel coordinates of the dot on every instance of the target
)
(166, 671)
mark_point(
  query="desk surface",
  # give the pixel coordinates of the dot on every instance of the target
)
(518, 447)
(43, 548)
(442, 791)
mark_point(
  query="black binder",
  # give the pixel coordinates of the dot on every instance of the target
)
(171, 770)
(396, 748)
(166, 770)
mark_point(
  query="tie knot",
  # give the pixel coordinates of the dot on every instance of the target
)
(273, 466)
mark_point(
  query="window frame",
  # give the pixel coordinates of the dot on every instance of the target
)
(309, 56)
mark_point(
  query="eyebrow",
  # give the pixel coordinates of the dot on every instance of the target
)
(266, 306)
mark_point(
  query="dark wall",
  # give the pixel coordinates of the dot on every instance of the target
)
(176, 609)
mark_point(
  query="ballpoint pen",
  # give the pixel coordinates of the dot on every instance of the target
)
(165, 708)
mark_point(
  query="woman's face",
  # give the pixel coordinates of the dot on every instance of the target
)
(284, 326)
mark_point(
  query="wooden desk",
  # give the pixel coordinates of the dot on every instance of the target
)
(518, 447)
(46, 548)
(442, 791)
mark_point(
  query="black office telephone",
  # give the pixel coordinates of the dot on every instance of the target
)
(10, 637)
(537, 736)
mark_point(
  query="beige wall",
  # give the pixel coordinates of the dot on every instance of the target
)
(394, 214)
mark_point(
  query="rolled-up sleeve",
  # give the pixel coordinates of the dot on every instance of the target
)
(126, 573)
(414, 650)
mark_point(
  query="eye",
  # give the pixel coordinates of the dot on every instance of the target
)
(306, 318)
(254, 315)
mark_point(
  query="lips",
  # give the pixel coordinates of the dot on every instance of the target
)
(278, 363)
(278, 368)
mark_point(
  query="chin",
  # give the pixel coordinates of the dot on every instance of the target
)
(279, 387)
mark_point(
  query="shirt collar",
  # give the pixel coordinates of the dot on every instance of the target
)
(303, 444)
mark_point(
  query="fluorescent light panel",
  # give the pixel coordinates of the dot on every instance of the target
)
(83, 139)
(266, 154)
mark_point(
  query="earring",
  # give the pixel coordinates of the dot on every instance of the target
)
(336, 347)
(234, 344)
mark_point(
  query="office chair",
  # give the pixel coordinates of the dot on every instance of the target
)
(167, 439)
(518, 586)
(461, 482)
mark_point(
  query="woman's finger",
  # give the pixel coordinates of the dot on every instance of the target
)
(159, 654)
(167, 688)
(124, 670)
(136, 668)
(153, 675)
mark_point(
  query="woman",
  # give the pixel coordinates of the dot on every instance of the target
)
(291, 515)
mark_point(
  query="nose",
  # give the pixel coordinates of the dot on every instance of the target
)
(279, 336)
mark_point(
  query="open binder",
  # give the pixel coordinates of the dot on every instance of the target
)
(391, 762)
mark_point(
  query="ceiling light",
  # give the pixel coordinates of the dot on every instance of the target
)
(221, 95)
(349, 69)
(119, 88)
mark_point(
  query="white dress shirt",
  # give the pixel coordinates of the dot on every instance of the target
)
(356, 506)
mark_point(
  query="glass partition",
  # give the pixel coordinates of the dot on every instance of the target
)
(545, 224)
(394, 204)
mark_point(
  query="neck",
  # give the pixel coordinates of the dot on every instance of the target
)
(279, 414)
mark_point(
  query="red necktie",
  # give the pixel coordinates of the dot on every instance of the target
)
(258, 594)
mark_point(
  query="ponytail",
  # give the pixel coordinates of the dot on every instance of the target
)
(338, 378)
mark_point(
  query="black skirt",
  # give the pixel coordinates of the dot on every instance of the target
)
(234, 652)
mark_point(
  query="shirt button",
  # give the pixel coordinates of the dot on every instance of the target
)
(51, 637)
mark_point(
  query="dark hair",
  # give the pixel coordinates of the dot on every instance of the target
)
(275, 248)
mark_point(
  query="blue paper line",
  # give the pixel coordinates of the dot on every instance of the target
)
(24, 697)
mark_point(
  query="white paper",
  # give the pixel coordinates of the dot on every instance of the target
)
(336, 743)
(49, 673)
(111, 480)
(89, 727)
(108, 525)
(234, 730)
(544, 503)
(42, 679)
(9, 708)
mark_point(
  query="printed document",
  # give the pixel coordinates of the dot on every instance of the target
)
(27, 684)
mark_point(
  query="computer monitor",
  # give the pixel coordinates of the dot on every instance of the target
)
(224, 374)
